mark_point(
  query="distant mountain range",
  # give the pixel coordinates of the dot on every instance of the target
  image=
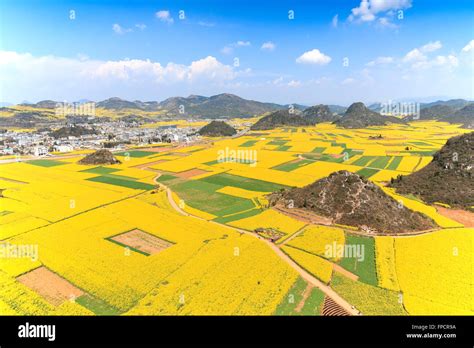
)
(227, 106)
(454, 103)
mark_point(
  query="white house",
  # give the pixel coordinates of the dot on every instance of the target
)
(40, 151)
(63, 148)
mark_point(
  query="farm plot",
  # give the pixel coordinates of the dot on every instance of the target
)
(49, 285)
(317, 266)
(359, 258)
(141, 242)
(426, 264)
(319, 240)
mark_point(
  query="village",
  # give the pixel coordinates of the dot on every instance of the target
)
(79, 133)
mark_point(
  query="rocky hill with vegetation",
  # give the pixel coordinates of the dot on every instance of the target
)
(359, 116)
(280, 118)
(217, 129)
(448, 178)
(75, 131)
(319, 113)
(349, 199)
(100, 157)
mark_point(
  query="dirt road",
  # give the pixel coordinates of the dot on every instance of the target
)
(305, 275)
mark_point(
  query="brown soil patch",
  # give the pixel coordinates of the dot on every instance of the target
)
(303, 215)
(190, 173)
(145, 165)
(306, 294)
(345, 272)
(142, 241)
(49, 285)
(180, 154)
(331, 308)
(462, 216)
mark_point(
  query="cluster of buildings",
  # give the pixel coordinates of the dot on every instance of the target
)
(107, 133)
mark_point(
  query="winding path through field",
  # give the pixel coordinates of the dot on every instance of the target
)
(304, 274)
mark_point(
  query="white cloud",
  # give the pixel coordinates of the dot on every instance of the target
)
(140, 26)
(30, 77)
(469, 47)
(385, 22)
(380, 61)
(313, 57)
(268, 46)
(431, 46)
(228, 49)
(242, 43)
(294, 83)
(119, 30)
(164, 16)
(414, 55)
(278, 80)
(368, 10)
(335, 21)
(386, 5)
(362, 12)
(418, 55)
(450, 61)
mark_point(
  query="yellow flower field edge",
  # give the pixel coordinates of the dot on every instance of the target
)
(317, 266)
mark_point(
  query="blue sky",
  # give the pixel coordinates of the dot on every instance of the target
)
(330, 52)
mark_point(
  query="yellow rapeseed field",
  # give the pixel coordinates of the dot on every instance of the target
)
(436, 269)
(317, 266)
(316, 239)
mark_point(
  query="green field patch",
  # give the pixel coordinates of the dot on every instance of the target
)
(238, 216)
(363, 161)
(362, 263)
(135, 153)
(121, 177)
(166, 177)
(203, 196)
(367, 172)
(395, 163)
(100, 170)
(421, 153)
(117, 181)
(380, 162)
(351, 153)
(282, 148)
(329, 158)
(277, 142)
(314, 303)
(224, 179)
(290, 166)
(420, 143)
(230, 160)
(45, 163)
(370, 300)
(318, 150)
(334, 144)
(288, 304)
(249, 143)
(96, 306)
